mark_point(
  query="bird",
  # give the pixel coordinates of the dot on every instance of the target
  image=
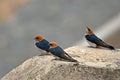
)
(91, 37)
(42, 43)
(59, 52)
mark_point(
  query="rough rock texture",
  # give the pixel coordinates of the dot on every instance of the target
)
(94, 64)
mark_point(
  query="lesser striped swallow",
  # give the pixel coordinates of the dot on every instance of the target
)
(59, 52)
(91, 37)
(42, 43)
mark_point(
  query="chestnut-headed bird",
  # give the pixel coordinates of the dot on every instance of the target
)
(91, 37)
(42, 43)
(59, 52)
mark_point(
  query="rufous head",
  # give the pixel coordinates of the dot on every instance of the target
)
(89, 31)
(53, 44)
(39, 37)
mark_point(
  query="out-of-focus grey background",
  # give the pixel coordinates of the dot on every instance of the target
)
(58, 20)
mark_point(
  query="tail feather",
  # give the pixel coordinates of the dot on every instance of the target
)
(110, 47)
(72, 60)
(68, 58)
(68, 55)
(103, 44)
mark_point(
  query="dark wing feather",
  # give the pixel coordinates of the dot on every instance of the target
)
(44, 45)
(94, 39)
(58, 51)
(63, 56)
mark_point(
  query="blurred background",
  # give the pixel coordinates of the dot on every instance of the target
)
(58, 20)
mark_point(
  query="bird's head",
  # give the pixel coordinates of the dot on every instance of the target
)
(39, 37)
(53, 44)
(89, 31)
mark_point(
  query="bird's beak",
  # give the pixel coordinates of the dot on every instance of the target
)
(34, 39)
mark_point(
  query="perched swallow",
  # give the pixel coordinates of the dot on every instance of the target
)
(91, 37)
(42, 43)
(59, 52)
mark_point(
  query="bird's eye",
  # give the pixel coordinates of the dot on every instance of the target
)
(37, 38)
(50, 44)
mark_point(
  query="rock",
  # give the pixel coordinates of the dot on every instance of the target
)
(94, 64)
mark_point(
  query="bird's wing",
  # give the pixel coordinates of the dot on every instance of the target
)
(67, 54)
(63, 56)
(98, 41)
(58, 51)
(94, 39)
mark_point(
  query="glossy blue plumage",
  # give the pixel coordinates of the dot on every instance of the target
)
(93, 38)
(43, 44)
(59, 52)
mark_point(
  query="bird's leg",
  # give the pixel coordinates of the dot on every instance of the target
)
(47, 53)
(43, 53)
(97, 46)
(56, 58)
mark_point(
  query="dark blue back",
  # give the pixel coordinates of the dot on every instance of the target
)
(44, 44)
(93, 38)
(57, 51)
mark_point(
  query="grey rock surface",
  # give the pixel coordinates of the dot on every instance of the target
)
(94, 64)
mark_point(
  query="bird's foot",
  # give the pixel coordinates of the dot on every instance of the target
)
(97, 46)
(56, 59)
(44, 54)
(91, 47)
(47, 53)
